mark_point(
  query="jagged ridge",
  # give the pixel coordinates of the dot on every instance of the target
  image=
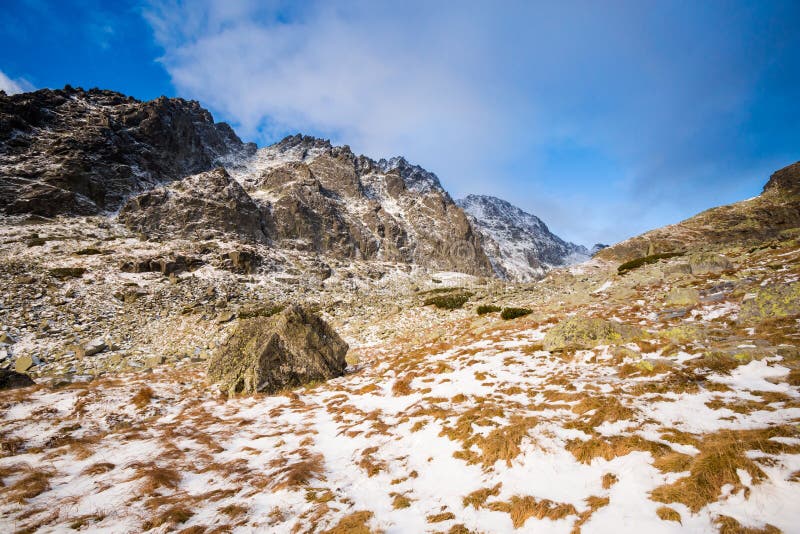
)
(520, 246)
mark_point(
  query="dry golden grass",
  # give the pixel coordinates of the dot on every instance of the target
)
(522, 508)
(721, 454)
(673, 462)
(98, 469)
(609, 479)
(438, 518)
(402, 386)
(604, 410)
(309, 467)
(154, 476)
(355, 523)
(594, 503)
(142, 397)
(728, 525)
(77, 523)
(612, 447)
(32, 483)
(665, 513)
(369, 464)
(478, 498)
(234, 511)
(170, 516)
(400, 501)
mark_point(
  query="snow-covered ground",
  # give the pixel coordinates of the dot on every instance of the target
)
(484, 433)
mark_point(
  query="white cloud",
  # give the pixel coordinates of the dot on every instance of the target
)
(481, 94)
(12, 87)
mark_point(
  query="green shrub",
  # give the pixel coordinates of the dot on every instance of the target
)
(451, 301)
(513, 313)
(483, 309)
(638, 262)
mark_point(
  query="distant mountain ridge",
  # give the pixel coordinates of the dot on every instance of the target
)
(170, 170)
(520, 246)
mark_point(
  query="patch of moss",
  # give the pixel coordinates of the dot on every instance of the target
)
(513, 313)
(638, 262)
(483, 309)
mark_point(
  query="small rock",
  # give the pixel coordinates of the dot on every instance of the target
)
(24, 363)
(682, 296)
(225, 317)
(6, 339)
(153, 361)
(95, 346)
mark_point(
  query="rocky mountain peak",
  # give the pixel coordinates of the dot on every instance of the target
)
(415, 177)
(519, 244)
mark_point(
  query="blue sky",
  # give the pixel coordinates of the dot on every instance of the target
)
(604, 118)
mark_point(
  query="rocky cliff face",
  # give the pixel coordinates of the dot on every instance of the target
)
(325, 199)
(755, 221)
(519, 245)
(203, 206)
(72, 151)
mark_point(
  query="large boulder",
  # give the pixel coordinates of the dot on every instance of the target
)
(772, 301)
(268, 354)
(588, 332)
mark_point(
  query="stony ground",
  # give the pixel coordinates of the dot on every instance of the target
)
(667, 398)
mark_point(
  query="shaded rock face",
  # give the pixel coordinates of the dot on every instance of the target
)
(587, 332)
(519, 245)
(82, 152)
(12, 380)
(325, 199)
(750, 222)
(205, 205)
(268, 354)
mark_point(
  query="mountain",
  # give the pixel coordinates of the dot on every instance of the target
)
(519, 245)
(82, 152)
(170, 171)
(324, 199)
(763, 218)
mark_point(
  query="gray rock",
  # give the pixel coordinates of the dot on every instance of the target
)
(268, 354)
(708, 263)
(95, 346)
(588, 332)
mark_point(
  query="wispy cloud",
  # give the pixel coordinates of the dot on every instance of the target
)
(660, 99)
(12, 87)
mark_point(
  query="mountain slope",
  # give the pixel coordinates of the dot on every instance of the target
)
(519, 245)
(754, 221)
